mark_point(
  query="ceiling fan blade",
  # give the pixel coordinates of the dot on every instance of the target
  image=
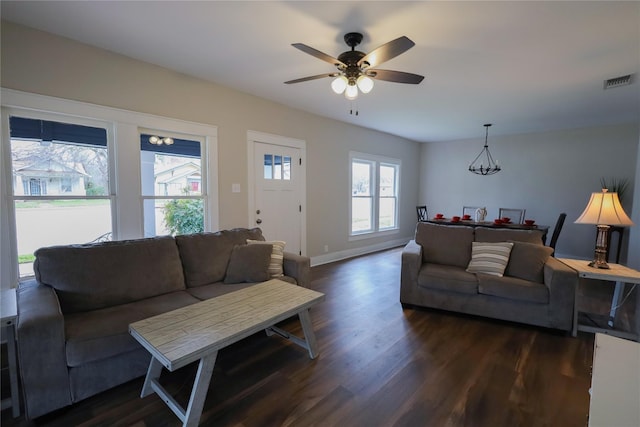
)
(306, 79)
(320, 55)
(387, 51)
(395, 76)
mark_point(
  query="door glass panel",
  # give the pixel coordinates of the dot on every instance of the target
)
(286, 168)
(268, 166)
(277, 167)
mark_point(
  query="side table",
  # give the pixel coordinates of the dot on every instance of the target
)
(618, 274)
(9, 313)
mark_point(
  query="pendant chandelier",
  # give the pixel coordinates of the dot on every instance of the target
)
(484, 164)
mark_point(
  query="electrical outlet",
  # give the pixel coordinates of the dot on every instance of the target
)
(326, 248)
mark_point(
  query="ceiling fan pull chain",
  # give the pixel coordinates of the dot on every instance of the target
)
(351, 110)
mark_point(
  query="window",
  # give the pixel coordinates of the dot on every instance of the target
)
(171, 185)
(60, 192)
(374, 194)
(58, 175)
(277, 167)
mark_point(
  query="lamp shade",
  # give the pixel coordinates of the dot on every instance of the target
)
(604, 209)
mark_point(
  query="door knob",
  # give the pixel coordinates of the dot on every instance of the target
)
(258, 221)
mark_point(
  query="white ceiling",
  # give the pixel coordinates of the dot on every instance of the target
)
(523, 66)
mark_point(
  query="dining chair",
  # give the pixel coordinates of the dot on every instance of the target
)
(470, 210)
(422, 213)
(556, 230)
(516, 215)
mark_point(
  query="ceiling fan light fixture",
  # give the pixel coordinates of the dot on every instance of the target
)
(339, 84)
(365, 83)
(351, 92)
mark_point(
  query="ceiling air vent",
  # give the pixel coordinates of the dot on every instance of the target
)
(618, 81)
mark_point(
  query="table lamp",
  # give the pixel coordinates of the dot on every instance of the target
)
(604, 209)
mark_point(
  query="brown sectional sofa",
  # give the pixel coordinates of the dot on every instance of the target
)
(73, 318)
(536, 288)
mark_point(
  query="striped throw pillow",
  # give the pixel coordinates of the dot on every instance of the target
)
(277, 256)
(489, 258)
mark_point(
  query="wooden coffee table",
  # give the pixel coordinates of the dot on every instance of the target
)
(196, 333)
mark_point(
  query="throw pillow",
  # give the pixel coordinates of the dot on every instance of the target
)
(489, 258)
(277, 256)
(248, 263)
(527, 261)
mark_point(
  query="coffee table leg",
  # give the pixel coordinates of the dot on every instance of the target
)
(153, 373)
(309, 336)
(199, 392)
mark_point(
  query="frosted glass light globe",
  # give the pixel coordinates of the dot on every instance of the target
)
(365, 83)
(351, 93)
(339, 84)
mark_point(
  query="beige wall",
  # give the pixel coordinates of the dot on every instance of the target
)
(41, 63)
(545, 173)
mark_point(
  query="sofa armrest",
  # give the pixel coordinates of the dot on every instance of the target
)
(298, 267)
(41, 349)
(411, 263)
(562, 282)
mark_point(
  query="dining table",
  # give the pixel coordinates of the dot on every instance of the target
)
(544, 229)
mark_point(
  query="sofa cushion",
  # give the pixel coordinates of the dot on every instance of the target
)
(249, 263)
(276, 269)
(513, 288)
(205, 255)
(484, 234)
(527, 261)
(447, 278)
(94, 276)
(489, 258)
(443, 244)
(100, 334)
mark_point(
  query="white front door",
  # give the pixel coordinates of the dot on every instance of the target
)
(277, 205)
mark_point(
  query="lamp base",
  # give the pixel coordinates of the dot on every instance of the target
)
(600, 260)
(599, 264)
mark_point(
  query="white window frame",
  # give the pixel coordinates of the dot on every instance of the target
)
(124, 152)
(203, 173)
(375, 161)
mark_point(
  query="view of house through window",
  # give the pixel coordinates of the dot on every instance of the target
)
(60, 174)
(374, 194)
(171, 185)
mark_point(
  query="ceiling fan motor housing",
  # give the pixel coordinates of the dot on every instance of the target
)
(351, 58)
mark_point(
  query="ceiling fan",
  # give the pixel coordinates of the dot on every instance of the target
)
(356, 69)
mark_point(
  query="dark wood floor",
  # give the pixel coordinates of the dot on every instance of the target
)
(379, 365)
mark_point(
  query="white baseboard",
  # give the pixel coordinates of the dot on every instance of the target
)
(350, 253)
